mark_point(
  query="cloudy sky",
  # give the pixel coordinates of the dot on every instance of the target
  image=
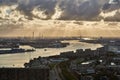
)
(63, 9)
(60, 18)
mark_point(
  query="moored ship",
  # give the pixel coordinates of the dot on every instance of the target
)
(15, 50)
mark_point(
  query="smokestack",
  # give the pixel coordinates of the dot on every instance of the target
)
(33, 35)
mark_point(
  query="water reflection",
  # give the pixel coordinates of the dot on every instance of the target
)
(17, 60)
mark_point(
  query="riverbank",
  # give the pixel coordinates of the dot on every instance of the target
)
(19, 59)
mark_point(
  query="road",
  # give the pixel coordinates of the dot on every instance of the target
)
(54, 74)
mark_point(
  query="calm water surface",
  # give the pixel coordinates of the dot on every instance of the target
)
(17, 60)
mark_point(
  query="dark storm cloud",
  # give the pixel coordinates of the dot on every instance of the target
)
(71, 9)
(77, 9)
(84, 9)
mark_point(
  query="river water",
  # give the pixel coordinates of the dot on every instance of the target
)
(18, 60)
